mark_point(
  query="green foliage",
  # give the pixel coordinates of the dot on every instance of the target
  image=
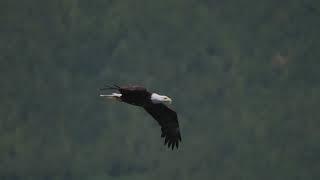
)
(244, 76)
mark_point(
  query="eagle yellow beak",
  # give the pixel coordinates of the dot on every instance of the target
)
(168, 100)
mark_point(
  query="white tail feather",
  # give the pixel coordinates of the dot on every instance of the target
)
(116, 96)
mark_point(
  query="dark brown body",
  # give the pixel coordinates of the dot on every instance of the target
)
(135, 95)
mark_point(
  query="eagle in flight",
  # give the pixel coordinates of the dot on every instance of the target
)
(154, 104)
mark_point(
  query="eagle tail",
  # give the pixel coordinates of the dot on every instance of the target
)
(115, 96)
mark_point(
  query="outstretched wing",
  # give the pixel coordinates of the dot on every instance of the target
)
(133, 88)
(168, 120)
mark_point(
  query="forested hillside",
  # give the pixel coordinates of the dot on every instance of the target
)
(244, 77)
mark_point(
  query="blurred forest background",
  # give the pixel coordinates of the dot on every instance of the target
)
(244, 77)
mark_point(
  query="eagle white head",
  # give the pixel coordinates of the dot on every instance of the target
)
(156, 98)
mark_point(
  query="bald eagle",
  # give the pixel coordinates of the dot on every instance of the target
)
(154, 104)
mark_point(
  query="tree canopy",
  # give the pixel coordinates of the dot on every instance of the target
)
(244, 77)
